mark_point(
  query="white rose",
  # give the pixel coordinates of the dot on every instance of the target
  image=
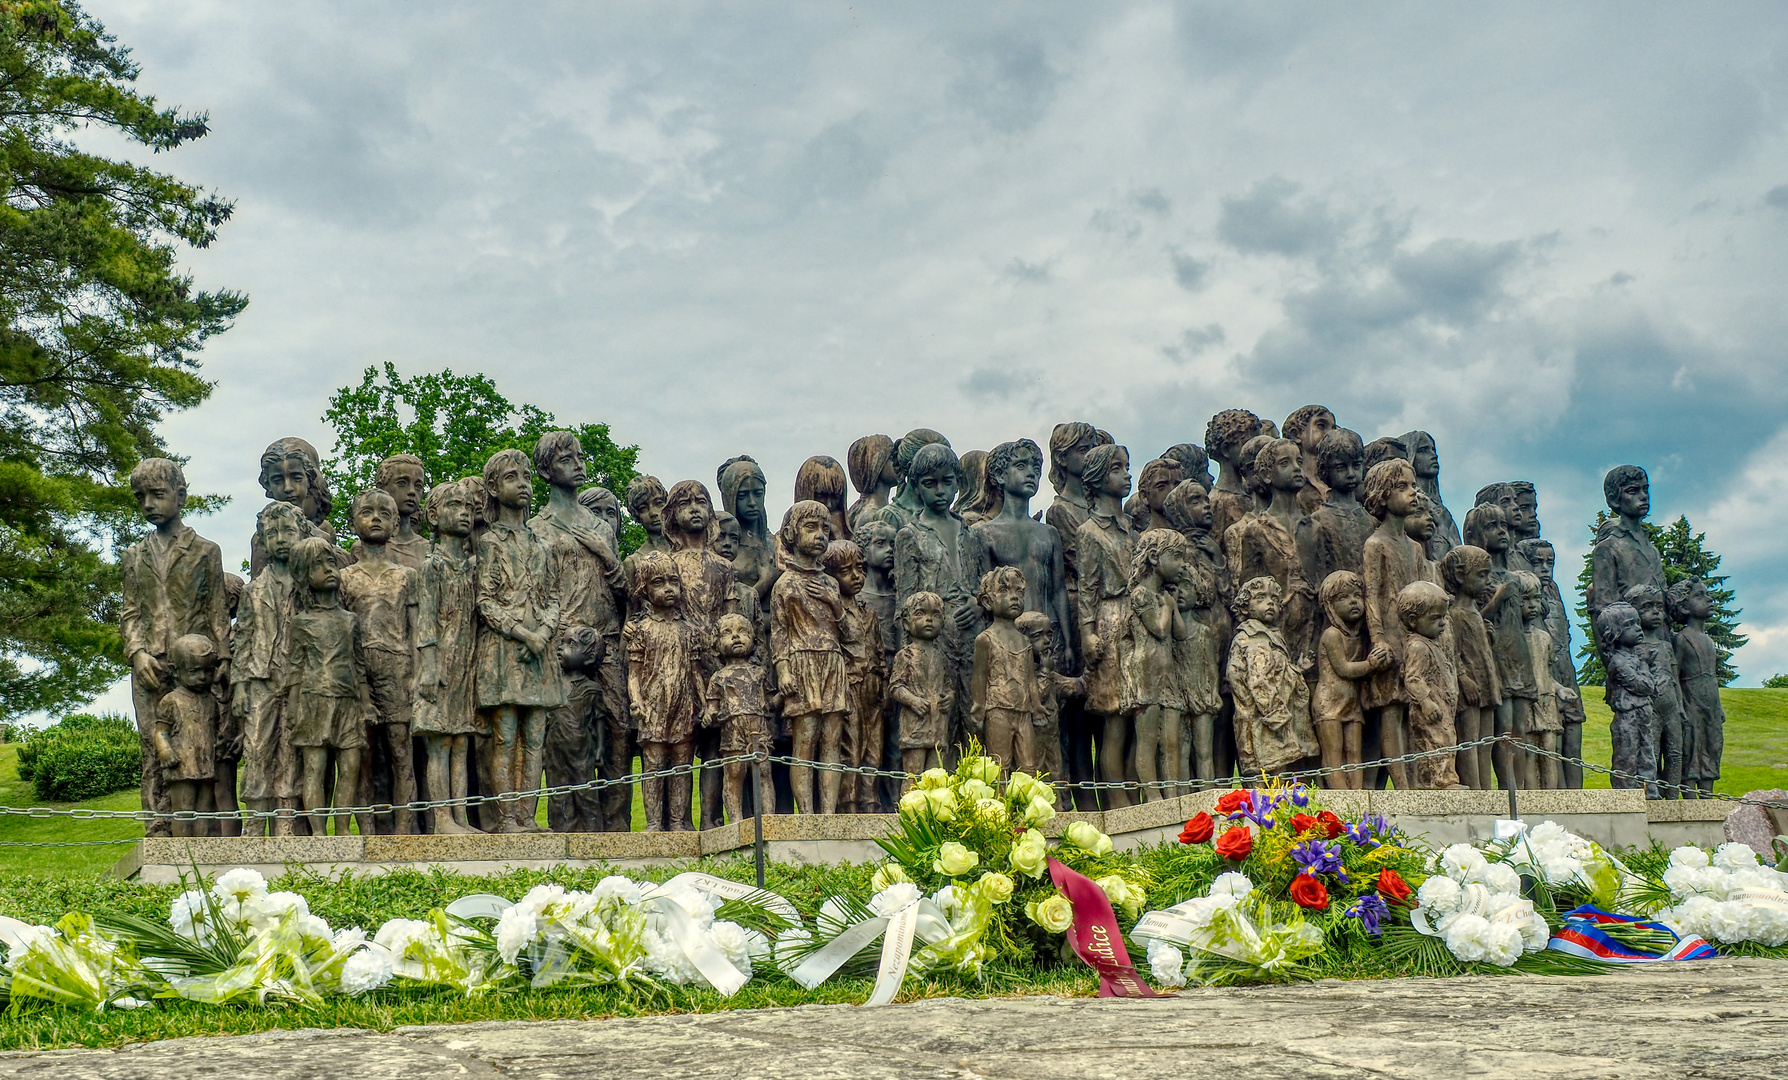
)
(1038, 811)
(992, 810)
(975, 790)
(983, 769)
(914, 801)
(931, 779)
(1053, 913)
(996, 887)
(1087, 837)
(1030, 855)
(1121, 893)
(1021, 787)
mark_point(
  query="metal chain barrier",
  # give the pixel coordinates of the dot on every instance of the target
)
(46, 813)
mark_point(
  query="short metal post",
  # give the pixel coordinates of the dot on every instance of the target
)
(757, 819)
(1514, 813)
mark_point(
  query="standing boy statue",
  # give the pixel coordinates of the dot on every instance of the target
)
(173, 586)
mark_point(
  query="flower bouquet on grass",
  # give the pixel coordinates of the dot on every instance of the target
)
(970, 869)
(1729, 897)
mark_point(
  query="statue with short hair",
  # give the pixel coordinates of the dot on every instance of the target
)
(1486, 526)
(1634, 730)
(1307, 426)
(1698, 671)
(665, 686)
(904, 504)
(1624, 554)
(1659, 653)
(1224, 438)
(861, 639)
(1003, 689)
(739, 707)
(1538, 553)
(401, 477)
(618, 744)
(1273, 731)
(382, 594)
(1194, 463)
(329, 704)
(185, 733)
(1275, 541)
(269, 776)
(1391, 561)
(1544, 727)
(1203, 598)
(1069, 443)
(1430, 685)
(807, 647)
(934, 552)
(707, 590)
(1153, 694)
(1465, 574)
(290, 474)
(173, 585)
(921, 687)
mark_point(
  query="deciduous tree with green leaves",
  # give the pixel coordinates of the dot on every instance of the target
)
(99, 336)
(454, 423)
(1685, 554)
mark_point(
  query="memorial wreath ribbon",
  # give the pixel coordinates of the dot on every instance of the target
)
(920, 918)
(1095, 937)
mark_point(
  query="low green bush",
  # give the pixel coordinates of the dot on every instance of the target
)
(82, 757)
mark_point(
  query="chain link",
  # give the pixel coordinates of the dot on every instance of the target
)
(43, 813)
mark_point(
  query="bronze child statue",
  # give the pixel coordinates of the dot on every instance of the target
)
(400, 476)
(1465, 574)
(1698, 670)
(445, 713)
(173, 585)
(922, 687)
(269, 769)
(1273, 731)
(738, 706)
(865, 670)
(1392, 561)
(1430, 685)
(807, 647)
(382, 594)
(1103, 548)
(328, 704)
(664, 685)
(1544, 727)
(1341, 662)
(1630, 693)
(1004, 686)
(1154, 694)
(186, 732)
(1659, 653)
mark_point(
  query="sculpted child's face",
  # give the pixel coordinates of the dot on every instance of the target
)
(279, 536)
(194, 673)
(1042, 641)
(1651, 612)
(1155, 491)
(1007, 602)
(1074, 457)
(453, 517)
(1420, 525)
(734, 639)
(924, 624)
(1425, 459)
(1634, 498)
(692, 515)
(1431, 624)
(726, 541)
(1348, 474)
(1320, 424)
(651, 514)
(878, 553)
(1198, 509)
(1533, 607)
(1171, 566)
(1496, 538)
(514, 489)
(1476, 582)
(1524, 514)
(812, 536)
(1022, 476)
(665, 591)
(1543, 560)
(323, 576)
(375, 520)
(1630, 634)
(1698, 604)
(566, 469)
(404, 484)
(1264, 607)
(850, 578)
(748, 500)
(289, 482)
(575, 655)
(1402, 497)
(937, 490)
(1350, 607)
(1117, 481)
(160, 502)
(1286, 469)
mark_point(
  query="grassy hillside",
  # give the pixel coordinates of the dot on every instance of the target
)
(1756, 757)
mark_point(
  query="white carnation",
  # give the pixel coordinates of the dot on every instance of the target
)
(274, 907)
(1462, 862)
(786, 950)
(1501, 878)
(1547, 832)
(733, 942)
(894, 897)
(1734, 857)
(1502, 944)
(314, 928)
(1561, 870)
(758, 947)
(1682, 878)
(187, 916)
(1468, 937)
(1688, 856)
(1729, 920)
(1438, 894)
(1167, 964)
(368, 969)
(239, 885)
(1232, 884)
(620, 890)
(693, 901)
(667, 960)
(515, 928)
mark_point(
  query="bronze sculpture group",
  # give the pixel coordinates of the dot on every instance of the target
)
(1314, 606)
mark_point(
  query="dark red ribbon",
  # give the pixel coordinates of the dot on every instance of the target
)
(1095, 935)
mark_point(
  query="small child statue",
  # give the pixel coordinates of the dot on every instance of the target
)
(381, 592)
(1630, 692)
(1698, 672)
(1545, 728)
(1421, 527)
(1486, 526)
(173, 585)
(1272, 701)
(922, 686)
(1003, 691)
(400, 476)
(445, 713)
(186, 731)
(664, 687)
(646, 499)
(876, 537)
(807, 646)
(1659, 653)
(742, 599)
(1339, 667)
(863, 668)
(738, 706)
(1153, 693)
(575, 737)
(259, 645)
(1339, 526)
(1465, 574)
(1052, 687)
(328, 705)
(1430, 684)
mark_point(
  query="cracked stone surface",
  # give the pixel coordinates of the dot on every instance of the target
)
(1713, 1018)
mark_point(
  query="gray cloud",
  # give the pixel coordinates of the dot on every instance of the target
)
(1195, 341)
(1188, 272)
(1270, 219)
(1008, 83)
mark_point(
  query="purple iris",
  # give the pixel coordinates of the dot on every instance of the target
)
(1316, 857)
(1369, 909)
(1259, 811)
(1369, 828)
(1300, 795)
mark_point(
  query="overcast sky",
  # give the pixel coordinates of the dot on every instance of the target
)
(1553, 235)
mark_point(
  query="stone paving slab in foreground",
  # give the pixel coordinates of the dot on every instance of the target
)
(1719, 1018)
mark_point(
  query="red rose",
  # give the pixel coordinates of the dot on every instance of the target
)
(1392, 885)
(1307, 892)
(1235, 843)
(1331, 825)
(1198, 830)
(1234, 801)
(1302, 823)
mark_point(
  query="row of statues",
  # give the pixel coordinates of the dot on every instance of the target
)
(1313, 606)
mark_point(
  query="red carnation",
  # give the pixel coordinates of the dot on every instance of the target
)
(1331, 825)
(1307, 892)
(1392, 885)
(1234, 801)
(1302, 823)
(1235, 843)
(1198, 830)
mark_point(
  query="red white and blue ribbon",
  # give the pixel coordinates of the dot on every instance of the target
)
(1582, 936)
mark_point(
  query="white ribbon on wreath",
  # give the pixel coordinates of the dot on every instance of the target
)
(918, 918)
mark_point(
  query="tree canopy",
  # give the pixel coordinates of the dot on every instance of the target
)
(99, 335)
(1685, 554)
(454, 423)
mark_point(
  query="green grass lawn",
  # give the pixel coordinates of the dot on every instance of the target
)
(1756, 757)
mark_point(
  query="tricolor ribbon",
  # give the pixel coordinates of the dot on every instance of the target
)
(1095, 937)
(1582, 936)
